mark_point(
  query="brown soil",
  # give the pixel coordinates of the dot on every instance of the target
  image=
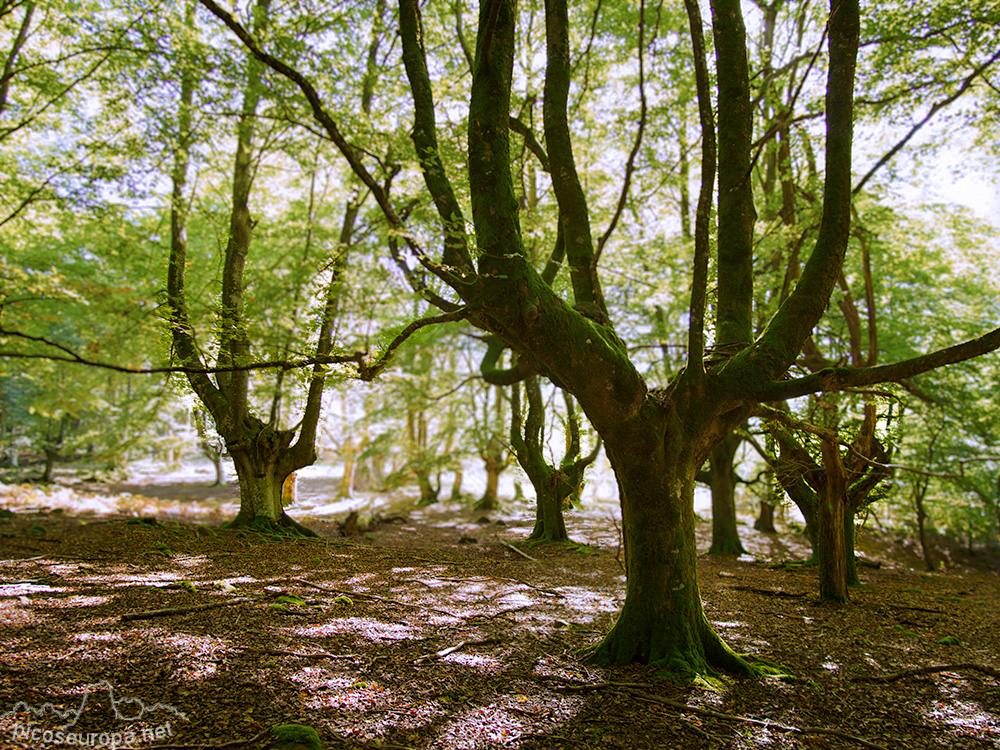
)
(434, 634)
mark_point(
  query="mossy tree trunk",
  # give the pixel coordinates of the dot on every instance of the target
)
(831, 551)
(765, 518)
(721, 479)
(494, 461)
(662, 622)
(553, 486)
(919, 492)
(852, 478)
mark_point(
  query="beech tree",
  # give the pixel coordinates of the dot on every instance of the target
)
(656, 438)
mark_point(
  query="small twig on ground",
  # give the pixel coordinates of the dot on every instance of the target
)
(630, 689)
(510, 546)
(360, 595)
(931, 670)
(178, 610)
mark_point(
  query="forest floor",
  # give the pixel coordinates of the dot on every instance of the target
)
(429, 631)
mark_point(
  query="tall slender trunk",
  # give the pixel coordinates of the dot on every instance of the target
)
(722, 480)
(919, 492)
(489, 499)
(456, 485)
(831, 546)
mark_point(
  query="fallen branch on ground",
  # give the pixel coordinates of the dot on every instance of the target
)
(931, 670)
(452, 649)
(510, 546)
(178, 610)
(631, 689)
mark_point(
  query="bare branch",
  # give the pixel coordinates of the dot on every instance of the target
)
(630, 163)
(937, 107)
(369, 371)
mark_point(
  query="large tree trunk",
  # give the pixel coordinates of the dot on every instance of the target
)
(550, 526)
(662, 622)
(48, 473)
(263, 462)
(919, 492)
(428, 492)
(456, 485)
(722, 480)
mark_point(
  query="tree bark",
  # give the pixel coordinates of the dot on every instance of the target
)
(830, 546)
(662, 622)
(722, 481)
(765, 519)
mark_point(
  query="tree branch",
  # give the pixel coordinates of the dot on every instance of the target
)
(369, 371)
(937, 107)
(839, 378)
(630, 163)
(706, 196)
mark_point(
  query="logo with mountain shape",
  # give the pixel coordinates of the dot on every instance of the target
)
(127, 709)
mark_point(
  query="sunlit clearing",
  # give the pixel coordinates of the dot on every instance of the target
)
(344, 692)
(12, 613)
(192, 645)
(72, 602)
(129, 577)
(481, 726)
(588, 603)
(752, 738)
(22, 589)
(354, 581)
(480, 662)
(360, 626)
(962, 716)
(191, 561)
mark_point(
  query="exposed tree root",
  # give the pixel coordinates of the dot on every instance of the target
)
(932, 670)
(284, 526)
(638, 691)
(769, 592)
